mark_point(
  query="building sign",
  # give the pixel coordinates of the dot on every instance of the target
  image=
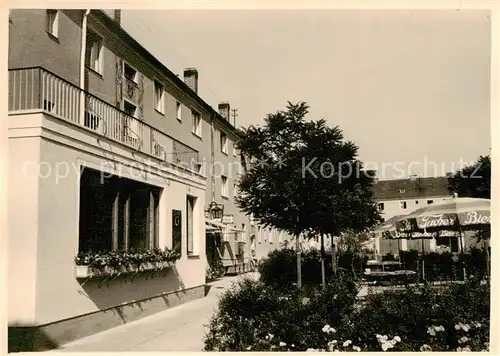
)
(228, 219)
(177, 230)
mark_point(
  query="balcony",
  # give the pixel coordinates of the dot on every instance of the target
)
(38, 90)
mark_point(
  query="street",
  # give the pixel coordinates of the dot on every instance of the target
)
(178, 329)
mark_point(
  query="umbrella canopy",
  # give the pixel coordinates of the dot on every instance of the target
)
(453, 214)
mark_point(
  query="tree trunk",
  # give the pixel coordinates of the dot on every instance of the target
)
(334, 258)
(299, 267)
(323, 277)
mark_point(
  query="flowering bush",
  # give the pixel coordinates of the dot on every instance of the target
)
(253, 316)
(424, 318)
(129, 258)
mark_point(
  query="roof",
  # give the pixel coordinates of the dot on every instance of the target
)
(411, 189)
(147, 56)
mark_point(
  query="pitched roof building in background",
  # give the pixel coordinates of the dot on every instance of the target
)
(412, 188)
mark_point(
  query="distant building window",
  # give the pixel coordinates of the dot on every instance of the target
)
(196, 129)
(159, 97)
(224, 192)
(380, 206)
(130, 73)
(223, 142)
(416, 202)
(93, 55)
(235, 153)
(53, 22)
(402, 204)
(235, 190)
(178, 110)
(430, 201)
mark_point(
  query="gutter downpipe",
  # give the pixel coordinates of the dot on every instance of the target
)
(82, 66)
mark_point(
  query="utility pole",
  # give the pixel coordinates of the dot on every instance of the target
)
(235, 114)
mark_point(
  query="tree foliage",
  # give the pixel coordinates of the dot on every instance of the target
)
(474, 180)
(304, 177)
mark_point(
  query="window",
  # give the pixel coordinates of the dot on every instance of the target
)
(159, 97)
(117, 213)
(196, 123)
(235, 190)
(178, 110)
(53, 22)
(223, 142)
(93, 53)
(132, 124)
(380, 206)
(129, 108)
(402, 204)
(430, 201)
(416, 202)
(224, 192)
(235, 153)
(190, 203)
(130, 73)
(259, 234)
(244, 233)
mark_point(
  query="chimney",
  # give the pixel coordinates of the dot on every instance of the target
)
(191, 78)
(224, 110)
(118, 16)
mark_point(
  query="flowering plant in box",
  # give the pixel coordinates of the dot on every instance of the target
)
(132, 258)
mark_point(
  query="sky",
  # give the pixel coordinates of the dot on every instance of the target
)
(410, 87)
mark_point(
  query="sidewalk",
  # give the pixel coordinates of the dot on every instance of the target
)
(181, 328)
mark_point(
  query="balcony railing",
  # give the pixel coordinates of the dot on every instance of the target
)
(36, 89)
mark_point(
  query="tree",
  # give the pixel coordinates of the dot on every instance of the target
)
(305, 178)
(474, 180)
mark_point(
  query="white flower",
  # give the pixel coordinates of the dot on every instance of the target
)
(385, 346)
(326, 328)
(249, 347)
(458, 326)
(384, 337)
(292, 345)
(465, 328)
(347, 343)
(464, 339)
(425, 347)
(311, 350)
(282, 343)
(397, 338)
(466, 349)
(332, 330)
(431, 331)
(378, 336)
(356, 348)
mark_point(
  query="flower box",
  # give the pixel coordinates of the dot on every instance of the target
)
(88, 272)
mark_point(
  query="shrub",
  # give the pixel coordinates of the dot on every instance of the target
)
(251, 316)
(423, 316)
(279, 269)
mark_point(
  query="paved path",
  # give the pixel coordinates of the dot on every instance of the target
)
(178, 329)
